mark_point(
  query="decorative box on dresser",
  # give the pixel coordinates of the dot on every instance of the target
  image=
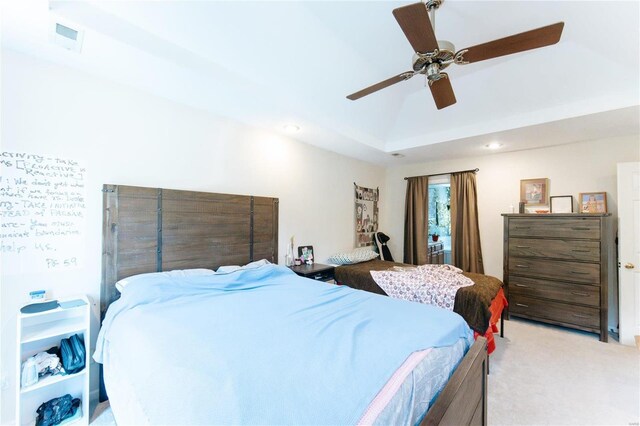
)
(557, 268)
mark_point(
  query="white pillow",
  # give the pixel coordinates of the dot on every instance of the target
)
(358, 255)
(120, 285)
(232, 268)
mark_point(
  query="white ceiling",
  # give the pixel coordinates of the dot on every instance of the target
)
(268, 63)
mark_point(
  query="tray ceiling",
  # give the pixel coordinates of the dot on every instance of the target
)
(269, 63)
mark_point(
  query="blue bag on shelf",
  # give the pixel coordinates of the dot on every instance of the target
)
(72, 354)
(54, 411)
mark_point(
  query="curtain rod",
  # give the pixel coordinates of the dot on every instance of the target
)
(447, 173)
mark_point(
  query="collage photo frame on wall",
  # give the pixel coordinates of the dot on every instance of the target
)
(366, 215)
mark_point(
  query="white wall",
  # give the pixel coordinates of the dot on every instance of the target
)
(124, 136)
(571, 169)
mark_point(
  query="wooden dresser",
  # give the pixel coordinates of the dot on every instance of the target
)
(557, 268)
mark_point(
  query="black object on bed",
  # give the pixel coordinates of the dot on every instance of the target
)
(383, 249)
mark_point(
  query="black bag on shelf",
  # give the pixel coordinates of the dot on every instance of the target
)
(54, 411)
(72, 354)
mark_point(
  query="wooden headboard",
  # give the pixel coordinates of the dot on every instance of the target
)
(155, 229)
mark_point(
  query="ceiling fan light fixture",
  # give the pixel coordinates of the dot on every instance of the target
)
(433, 72)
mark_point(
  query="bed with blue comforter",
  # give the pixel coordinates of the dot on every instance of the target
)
(264, 346)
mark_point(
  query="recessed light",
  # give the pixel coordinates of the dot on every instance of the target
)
(291, 128)
(493, 145)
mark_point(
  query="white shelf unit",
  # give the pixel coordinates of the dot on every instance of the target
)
(39, 332)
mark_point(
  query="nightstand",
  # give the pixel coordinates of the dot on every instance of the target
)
(316, 271)
(38, 332)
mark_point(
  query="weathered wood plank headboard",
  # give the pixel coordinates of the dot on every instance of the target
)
(155, 229)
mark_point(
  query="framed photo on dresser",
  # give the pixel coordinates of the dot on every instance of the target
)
(534, 192)
(561, 204)
(593, 202)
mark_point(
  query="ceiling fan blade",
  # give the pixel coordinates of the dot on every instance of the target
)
(540, 37)
(442, 92)
(378, 86)
(415, 23)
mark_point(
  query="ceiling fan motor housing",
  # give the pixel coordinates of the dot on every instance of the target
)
(431, 4)
(446, 53)
(443, 57)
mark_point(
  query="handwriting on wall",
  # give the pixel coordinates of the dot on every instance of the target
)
(42, 212)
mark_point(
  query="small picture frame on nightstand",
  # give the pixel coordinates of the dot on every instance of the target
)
(305, 254)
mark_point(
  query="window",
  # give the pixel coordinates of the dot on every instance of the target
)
(440, 209)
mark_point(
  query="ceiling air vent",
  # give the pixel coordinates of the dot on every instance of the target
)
(67, 37)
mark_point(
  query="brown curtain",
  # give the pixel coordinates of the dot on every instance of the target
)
(416, 225)
(466, 252)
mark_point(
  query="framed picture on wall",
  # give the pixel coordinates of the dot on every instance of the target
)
(593, 202)
(561, 204)
(534, 192)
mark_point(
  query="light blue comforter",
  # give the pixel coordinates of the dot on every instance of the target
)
(260, 346)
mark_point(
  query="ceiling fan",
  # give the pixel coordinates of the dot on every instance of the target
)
(432, 55)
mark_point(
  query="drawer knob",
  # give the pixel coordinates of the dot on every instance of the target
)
(580, 316)
(523, 227)
(577, 293)
(523, 305)
(629, 265)
(580, 229)
(581, 251)
(523, 247)
(579, 273)
(520, 285)
(522, 266)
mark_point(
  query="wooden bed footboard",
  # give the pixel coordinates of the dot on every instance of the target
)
(463, 401)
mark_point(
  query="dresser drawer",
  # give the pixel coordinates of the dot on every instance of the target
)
(587, 273)
(560, 249)
(561, 292)
(588, 228)
(555, 311)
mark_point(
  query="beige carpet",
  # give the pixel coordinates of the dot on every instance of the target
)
(543, 375)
